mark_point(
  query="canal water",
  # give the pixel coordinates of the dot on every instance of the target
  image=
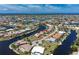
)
(4, 45)
(65, 49)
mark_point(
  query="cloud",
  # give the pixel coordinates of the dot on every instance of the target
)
(39, 8)
(3, 9)
(33, 6)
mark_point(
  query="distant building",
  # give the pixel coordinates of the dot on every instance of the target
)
(9, 29)
(61, 32)
(1, 34)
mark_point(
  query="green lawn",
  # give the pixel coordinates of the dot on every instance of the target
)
(49, 47)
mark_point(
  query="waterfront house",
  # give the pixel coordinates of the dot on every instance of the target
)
(25, 48)
(51, 39)
(21, 42)
(58, 35)
(37, 50)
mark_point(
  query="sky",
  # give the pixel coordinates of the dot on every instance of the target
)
(38, 8)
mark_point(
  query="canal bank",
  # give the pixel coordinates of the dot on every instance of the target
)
(65, 49)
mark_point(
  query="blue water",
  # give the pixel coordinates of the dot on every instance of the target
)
(4, 45)
(65, 49)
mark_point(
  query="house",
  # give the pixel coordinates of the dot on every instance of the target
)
(36, 42)
(51, 39)
(37, 34)
(57, 35)
(25, 48)
(37, 50)
(61, 32)
(21, 42)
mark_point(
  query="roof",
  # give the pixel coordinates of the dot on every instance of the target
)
(51, 39)
(21, 42)
(38, 49)
(61, 32)
(57, 35)
(26, 47)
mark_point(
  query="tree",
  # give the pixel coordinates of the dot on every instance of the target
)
(74, 48)
(14, 46)
(28, 39)
(77, 42)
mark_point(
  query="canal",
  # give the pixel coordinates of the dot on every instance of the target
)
(65, 49)
(4, 45)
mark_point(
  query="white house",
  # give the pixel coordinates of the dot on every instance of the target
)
(51, 39)
(61, 32)
(37, 50)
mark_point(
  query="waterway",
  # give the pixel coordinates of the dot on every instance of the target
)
(4, 45)
(65, 49)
